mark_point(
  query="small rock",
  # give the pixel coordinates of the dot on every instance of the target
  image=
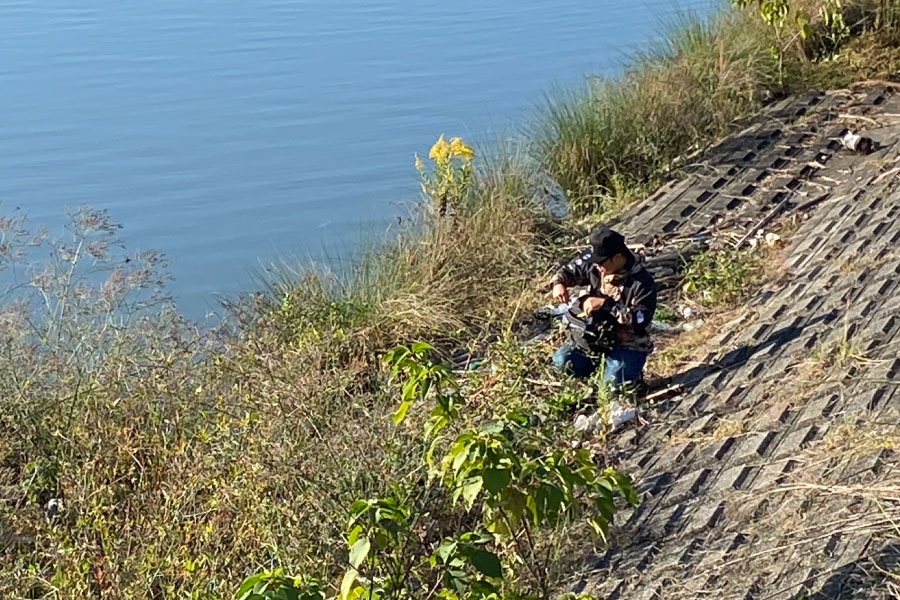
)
(693, 325)
(664, 327)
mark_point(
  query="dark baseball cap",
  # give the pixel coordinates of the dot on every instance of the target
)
(606, 243)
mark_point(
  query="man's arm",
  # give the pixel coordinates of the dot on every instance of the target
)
(637, 308)
(575, 272)
(643, 304)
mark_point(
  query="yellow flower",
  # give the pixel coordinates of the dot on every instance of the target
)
(460, 149)
(440, 151)
(420, 166)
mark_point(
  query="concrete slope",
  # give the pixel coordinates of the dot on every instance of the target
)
(775, 474)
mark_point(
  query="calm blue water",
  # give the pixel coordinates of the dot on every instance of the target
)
(226, 134)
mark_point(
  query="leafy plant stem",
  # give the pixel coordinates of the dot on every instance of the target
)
(515, 539)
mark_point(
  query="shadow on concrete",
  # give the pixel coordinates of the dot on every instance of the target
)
(693, 377)
(865, 578)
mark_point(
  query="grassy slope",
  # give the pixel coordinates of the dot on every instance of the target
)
(185, 462)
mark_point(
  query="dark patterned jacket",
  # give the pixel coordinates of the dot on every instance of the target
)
(630, 297)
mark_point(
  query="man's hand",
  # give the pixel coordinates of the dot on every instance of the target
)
(560, 292)
(592, 303)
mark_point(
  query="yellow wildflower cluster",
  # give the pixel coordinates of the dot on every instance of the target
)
(448, 183)
(440, 151)
(456, 148)
(460, 149)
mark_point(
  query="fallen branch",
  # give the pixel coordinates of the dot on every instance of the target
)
(859, 118)
(886, 174)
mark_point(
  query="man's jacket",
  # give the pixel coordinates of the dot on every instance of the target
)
(630, 297)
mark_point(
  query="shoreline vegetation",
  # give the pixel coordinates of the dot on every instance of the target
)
(141, 458)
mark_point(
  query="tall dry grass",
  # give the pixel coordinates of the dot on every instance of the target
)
(141, 458)
(615, 139)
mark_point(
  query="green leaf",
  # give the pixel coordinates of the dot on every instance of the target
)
(410, 389)
(520, 418)
(422, 348)
(394, 355)
(626, 487)
(476, 538)
(246, 589)
(347, 583)
(400, 415)
(498, 527)
(487, 563)
(359, 551)
(381, 540)
(446, 549)
(803, 26)
(495, 480)
(471, 487)
(359, 508)
(288, 593)
(354, 535)
(514, 504)
(606, 507)
(553, 500)
(426, 385)
(493, 427)
(460, 458)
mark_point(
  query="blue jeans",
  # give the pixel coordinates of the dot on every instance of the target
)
(621, 365)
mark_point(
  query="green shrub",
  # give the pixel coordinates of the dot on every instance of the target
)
(508, 472)
(665, 314)
(723, 278)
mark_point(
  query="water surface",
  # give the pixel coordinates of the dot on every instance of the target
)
(226, 134)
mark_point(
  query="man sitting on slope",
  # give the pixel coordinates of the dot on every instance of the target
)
(616, 313)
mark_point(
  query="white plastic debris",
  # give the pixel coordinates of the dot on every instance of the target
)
(857, 143)
(619, 416)
(587, 424)
(772, 239)
(686, 312)
(54, 507)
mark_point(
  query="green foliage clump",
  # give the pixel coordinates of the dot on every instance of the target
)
(274, 585)
(665, 314)
(723, 278)
(508, 484)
